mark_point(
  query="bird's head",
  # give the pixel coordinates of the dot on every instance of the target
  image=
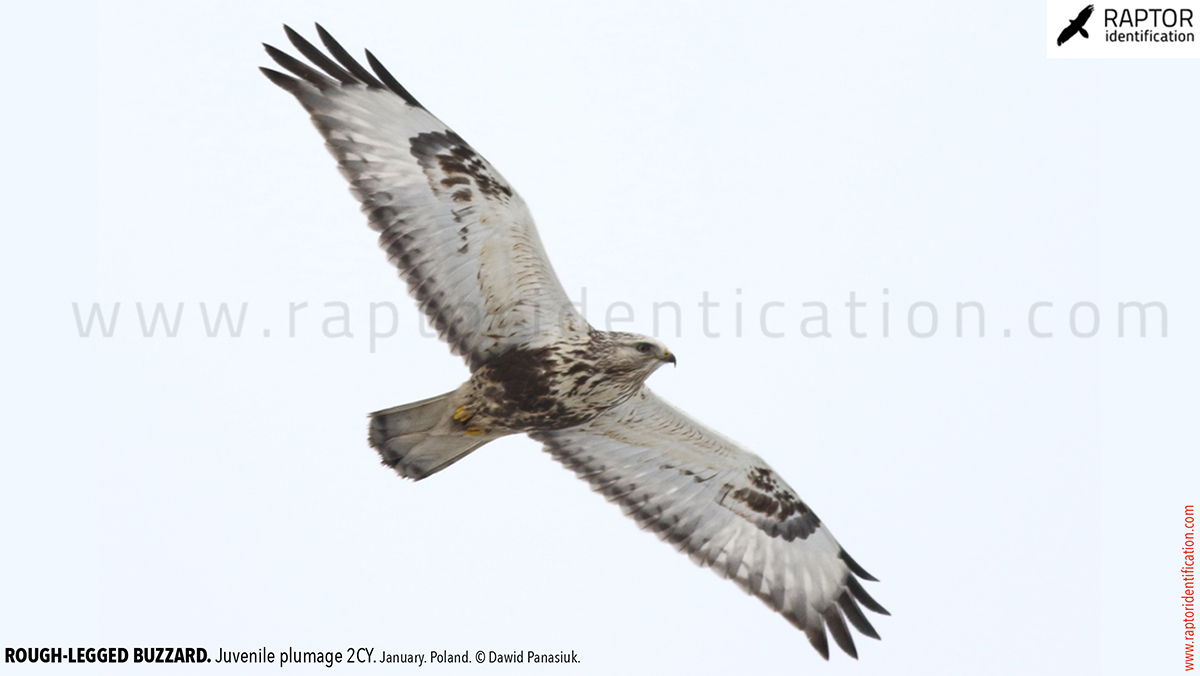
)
(638, 354)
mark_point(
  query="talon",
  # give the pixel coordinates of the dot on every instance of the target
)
(474, 432)
(462, 414)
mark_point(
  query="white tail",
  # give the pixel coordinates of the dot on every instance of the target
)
(421, 438)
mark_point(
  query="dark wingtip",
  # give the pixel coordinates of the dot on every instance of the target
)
(841, 634)
(342, 67)
(861, 595)
(318, 58)
(816, 636)
(297, 67)
(343, 57)
(276, 54)
(390, 81)
(287, 82)
(855, 568)
(855, 615)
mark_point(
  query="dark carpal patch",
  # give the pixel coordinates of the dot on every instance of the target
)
(783, 513)
(445, 153)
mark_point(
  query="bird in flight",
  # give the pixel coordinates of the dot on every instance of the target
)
(465, 243)
(1076, 26)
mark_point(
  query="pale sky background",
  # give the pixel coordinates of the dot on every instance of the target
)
(1019, 498)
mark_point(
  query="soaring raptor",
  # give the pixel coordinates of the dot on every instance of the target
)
(1076, 25)
(465, 242)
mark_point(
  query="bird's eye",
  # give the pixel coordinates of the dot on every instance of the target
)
(644, 348)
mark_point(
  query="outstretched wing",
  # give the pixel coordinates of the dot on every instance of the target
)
(1084, 15)
(461, 237)
(724, 507)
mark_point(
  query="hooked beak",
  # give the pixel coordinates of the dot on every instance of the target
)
(668, 357)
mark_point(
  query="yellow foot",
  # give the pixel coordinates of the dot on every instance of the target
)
(474, 432)
(462, 414)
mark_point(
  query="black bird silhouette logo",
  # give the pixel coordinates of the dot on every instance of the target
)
(1076, 26)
